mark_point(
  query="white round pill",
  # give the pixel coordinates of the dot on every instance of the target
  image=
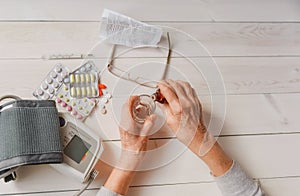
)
(88, 66)
(103, 111)
(82, 69)
(104, 100)
(59, 79)
(46, 96)
(51, 90)
(66, 80)
(108, 96)
(53, 75)
(58, 69)
(56, 85)
(40, 92)
(49, 80)
(45, 86)
(64, 74)
(35, 93)
(101, 106)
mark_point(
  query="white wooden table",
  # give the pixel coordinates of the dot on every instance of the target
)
(256, 45)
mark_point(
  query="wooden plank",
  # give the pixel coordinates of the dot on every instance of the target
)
(277, 113)
(240, 75)
(250, 151)
(274, 187)
(281, 186)
(251, 114)
(163, 10)
(206, 189)
(37, 40)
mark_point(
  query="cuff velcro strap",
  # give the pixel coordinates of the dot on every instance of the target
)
(29, 133)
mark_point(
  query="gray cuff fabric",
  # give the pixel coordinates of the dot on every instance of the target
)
(106, 192)
(29, 134)
(235, 182)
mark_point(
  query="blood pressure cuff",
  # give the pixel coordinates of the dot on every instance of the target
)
(29, 134)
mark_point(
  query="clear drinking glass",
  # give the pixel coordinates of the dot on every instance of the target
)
(143, 107)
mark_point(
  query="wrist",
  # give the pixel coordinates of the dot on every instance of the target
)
(130, 160)
(210, 152)
(215, 158)
(119, 181)
(196, 142)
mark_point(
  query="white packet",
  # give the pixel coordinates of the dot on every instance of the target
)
(123, 30)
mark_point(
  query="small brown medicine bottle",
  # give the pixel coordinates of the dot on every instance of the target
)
(157, 96)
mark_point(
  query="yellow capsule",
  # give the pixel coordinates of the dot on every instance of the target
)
(77, 78)
(67, 100)
(60, 95)
(92, 77)
(82, 78)
(94, 91)
(80, 108)
(78, 91)
(87, 78)
(72, 78)
(73, 92)
(88, 91)
(83, 91)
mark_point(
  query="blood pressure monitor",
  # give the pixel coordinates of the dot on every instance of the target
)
(82, 148)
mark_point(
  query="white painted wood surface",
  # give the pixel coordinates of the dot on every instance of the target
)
(163, 10)
(37, 39)
(254, 43)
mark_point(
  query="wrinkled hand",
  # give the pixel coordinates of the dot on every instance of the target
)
(134, 136)
(183, 110)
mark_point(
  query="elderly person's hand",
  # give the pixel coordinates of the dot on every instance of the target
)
(183, 110)
(184, 116)
(134, 138)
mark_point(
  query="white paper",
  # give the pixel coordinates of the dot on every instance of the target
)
(123, 30)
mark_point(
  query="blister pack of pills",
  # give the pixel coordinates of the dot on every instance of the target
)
(83, 82)
(79, 108)
(52, 82)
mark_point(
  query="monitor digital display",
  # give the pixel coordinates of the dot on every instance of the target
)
(77, 149)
